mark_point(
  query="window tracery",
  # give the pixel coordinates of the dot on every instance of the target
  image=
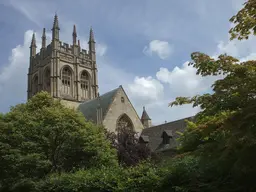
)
(66, 81)
(84, 83)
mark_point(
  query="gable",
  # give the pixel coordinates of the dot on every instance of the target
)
(121, 105)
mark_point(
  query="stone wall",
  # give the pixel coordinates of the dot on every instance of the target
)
(117, 109)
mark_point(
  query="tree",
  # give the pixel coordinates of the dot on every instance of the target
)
(42, 137)
(129, 150)
(224, 133)
(245, 21)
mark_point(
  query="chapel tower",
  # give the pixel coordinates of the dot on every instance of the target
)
(67, 72)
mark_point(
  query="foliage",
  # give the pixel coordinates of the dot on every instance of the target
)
(143, 177)
(245, 22)
(224, 132)
(42, 137)
(129, 150)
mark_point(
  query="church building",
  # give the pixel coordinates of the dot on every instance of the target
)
(70, 73)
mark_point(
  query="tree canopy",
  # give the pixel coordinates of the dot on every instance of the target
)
(42, 137)
(244, 21)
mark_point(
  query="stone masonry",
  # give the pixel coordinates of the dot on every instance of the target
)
(65, 71)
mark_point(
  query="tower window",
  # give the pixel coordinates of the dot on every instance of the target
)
(47, 79)
(66, 81)
(84, 80)
(66, 76)
(122, 99)
(84, 83)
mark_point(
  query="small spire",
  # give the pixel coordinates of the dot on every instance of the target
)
(33, 41)
(43, 39)
(91, 35)
(78, 42)
(144, 115)
(74, 35)
(56, 22)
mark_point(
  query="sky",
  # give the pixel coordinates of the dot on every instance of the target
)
(145, 46)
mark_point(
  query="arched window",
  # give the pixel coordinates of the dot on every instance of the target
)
(66, 81)
(84, 82)
(35, 85)
(124, 122)
(47, 80)
(124, 128)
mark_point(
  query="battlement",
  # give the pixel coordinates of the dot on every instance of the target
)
(68, 48)
(42, 53)
(84, 52)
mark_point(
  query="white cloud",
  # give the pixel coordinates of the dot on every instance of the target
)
(13, 76)
(146, 89)
(162, 48)
(183, 80)
(243, 50)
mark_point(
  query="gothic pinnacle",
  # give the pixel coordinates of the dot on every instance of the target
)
(74, 31)
(33, 42)
(74, 35)
(43, 39)
(91, 35)
(55, 29)
(56, 22)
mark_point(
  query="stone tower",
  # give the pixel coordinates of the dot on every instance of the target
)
(145, 119)
(65, 71)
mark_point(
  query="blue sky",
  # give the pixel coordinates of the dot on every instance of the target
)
(143, 45)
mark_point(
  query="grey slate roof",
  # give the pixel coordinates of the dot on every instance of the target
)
(144, 139)
(89, 108)
(155, 134)
(168, 133)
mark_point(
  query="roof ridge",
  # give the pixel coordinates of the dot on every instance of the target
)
(170, 122)
(99, 96)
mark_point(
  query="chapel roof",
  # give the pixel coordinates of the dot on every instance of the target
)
(155, 134)
(89, 108)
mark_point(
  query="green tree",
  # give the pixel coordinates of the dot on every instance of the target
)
(42, 137)
(224, 133)
(245, 21)
(130, 151)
